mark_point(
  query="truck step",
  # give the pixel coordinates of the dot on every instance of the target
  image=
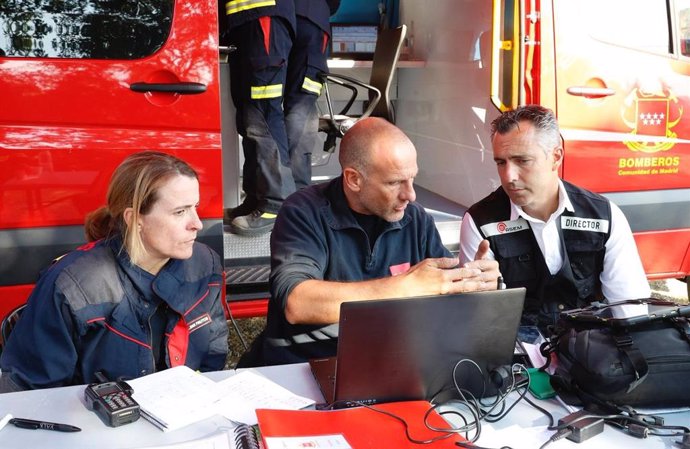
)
(247, 266)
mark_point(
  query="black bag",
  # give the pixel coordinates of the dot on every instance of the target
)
(638, 361)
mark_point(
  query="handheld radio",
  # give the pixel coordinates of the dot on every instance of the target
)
(112, 401)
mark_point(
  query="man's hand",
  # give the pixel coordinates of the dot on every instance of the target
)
(487, 266)
(318, 302)
(483, 251)
(443, 275)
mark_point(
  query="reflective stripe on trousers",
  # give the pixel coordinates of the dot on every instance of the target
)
(270, 91)
(311, 86)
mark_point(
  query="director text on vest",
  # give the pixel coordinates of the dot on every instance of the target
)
(571, 223)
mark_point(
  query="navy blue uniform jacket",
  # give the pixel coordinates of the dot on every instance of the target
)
(316, 236)
(85, 315)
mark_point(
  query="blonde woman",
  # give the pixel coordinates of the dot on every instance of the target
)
(141, 296)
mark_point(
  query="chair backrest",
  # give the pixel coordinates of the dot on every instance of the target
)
(8, 324)
(386, 54)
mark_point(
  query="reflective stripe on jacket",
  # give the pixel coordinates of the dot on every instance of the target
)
(236, 6)
(242, 11)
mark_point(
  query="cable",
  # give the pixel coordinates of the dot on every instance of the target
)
(633, 424)
(556, 436)
(543, 410)
(448, 431)
(578, 426)
(515, 386)
(473, 410)
(237, 329)
(641, 429)
(469, 445)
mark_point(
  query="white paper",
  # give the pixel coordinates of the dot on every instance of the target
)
(241, 394)
(515, 436)
(175, 397)
(5, 420)
(536, 359)
(336, 441)
(179, 396)
(221, 440)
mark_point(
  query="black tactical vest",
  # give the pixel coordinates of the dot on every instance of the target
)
(583, 236)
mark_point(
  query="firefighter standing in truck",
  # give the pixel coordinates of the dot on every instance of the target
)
(282, 47)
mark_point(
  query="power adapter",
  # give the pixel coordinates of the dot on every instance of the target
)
(582, 429)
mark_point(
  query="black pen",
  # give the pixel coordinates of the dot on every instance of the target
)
(500, 285)
(33, 424)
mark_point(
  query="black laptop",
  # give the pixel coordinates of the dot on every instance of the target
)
(406, 349)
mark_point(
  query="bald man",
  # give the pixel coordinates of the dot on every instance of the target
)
(360, 236)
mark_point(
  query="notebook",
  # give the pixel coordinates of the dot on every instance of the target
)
(358, 428)
(405, 349)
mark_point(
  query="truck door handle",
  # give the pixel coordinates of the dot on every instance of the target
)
(176, 88)
(590, 92)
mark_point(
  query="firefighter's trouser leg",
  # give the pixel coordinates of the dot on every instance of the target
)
(258, 75)
(307, 61)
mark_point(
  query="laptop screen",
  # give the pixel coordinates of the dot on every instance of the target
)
(406, 349)
(356, 41)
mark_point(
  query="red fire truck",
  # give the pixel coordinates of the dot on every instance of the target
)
(83, 84)
(82, 87)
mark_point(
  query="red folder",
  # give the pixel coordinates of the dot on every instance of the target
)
(362, 427)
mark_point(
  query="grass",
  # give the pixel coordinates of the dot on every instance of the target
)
(246, 331)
